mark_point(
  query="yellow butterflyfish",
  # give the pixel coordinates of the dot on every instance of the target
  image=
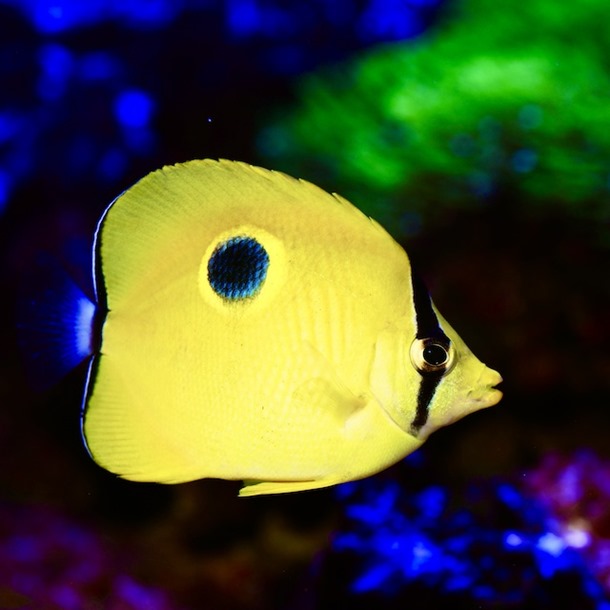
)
(254, 327)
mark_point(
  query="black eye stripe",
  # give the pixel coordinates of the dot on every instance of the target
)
(427, 387)
(427, 326)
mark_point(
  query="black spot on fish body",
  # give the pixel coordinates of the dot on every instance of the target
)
(237, 268)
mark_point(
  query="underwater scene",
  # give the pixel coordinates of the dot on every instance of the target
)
(476, 133)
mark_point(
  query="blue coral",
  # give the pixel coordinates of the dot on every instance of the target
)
(492, 543)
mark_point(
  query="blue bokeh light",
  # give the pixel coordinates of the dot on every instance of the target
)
(513, 539)
(390, 20)
(50, 16)
(377, 19)
(58, 16)
(54, 16)
(139, 142)
(151, 13)
(5, 189)
(98, 66)
(85, 96)
(9, 125)
(113, 164)
(56, 64)
(133, 108)
(243, 17)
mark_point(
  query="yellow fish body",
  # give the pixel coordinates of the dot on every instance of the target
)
(259, 328)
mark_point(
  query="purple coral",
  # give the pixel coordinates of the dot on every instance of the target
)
(575, 489)
(56, 562)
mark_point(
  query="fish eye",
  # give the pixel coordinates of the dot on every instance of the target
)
(431, 356)
(435, 354)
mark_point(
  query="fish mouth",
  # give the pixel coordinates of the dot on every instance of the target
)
(491, 396)
(494, 396)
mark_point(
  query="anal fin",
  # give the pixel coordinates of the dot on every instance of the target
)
(259, 488)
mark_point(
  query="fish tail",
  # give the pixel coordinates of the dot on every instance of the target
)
(55, 323)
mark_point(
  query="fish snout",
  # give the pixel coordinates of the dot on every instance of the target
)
(490, 394)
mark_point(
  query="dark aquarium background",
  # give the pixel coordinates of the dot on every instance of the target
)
(478, 133)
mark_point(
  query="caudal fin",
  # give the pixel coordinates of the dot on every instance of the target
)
(55, 324)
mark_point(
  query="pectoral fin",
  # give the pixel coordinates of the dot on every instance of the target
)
(324, 391)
